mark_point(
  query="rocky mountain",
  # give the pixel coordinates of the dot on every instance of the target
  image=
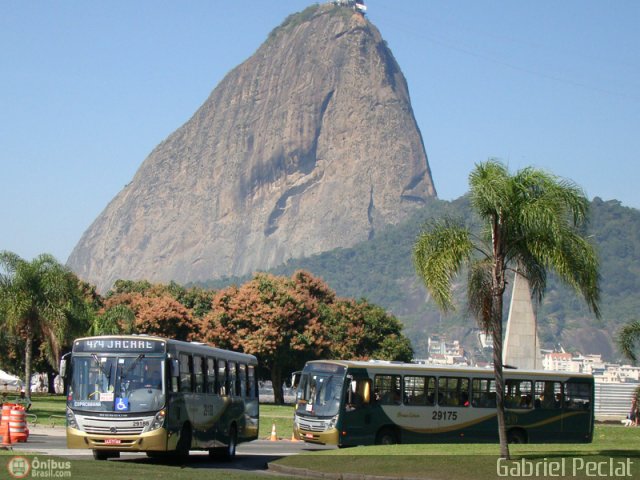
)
(309, 145)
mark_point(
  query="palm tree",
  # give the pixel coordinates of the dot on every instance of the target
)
(627, 339)
(39, 300)
(532, 222)
(116, 320)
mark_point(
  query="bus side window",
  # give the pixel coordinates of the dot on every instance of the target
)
(197, 374)
(242, 380)
(222, 377)
(419, 390)
(483, 393)
(577, 396)
(387, 389)
(232, 378)
(517, 394)
(185, 373)
(453, 392)
(251, 383)
(548, 395)
(211, 376)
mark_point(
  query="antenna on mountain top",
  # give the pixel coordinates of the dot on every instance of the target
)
(357, 5)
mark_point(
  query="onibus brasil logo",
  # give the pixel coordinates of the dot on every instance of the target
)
(21, 467)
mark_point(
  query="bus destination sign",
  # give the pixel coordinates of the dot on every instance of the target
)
(119, 345)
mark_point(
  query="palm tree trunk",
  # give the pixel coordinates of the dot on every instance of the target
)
(28, 347)
(497, 369)
(497, 292)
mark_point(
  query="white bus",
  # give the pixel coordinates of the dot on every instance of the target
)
(139, 393)
(348, 403)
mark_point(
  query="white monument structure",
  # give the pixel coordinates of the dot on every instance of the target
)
(521, 343)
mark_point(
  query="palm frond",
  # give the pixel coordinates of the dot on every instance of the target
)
(628, 338)
(479, 300)
(438, 255)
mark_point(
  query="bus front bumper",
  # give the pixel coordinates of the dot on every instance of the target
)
(150, 441)
(330, 437)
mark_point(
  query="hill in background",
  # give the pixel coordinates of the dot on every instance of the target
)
(308, 145)
(381, 270)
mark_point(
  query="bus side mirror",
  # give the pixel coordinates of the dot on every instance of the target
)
(64, 363)
(175, 367)
(295, 379)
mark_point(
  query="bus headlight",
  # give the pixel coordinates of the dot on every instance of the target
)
(158, 421)
(332, 423)
(71, 419)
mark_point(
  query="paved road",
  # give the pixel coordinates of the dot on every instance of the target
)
(252, 456)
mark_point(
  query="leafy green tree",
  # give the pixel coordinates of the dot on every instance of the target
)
(361, 331)
(40, 301)
(532, 222)
(270, 317)
(155, 312)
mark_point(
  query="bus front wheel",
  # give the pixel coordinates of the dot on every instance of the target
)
(184, 443)
(386, 436)
(104, 455)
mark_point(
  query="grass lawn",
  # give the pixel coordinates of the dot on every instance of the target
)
(611, 447)
(127, 470)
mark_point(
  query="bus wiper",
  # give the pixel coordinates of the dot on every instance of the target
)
(130, 367)
(105, 372)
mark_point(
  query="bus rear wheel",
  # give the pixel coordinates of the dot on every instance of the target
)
(386, 436)
(516, 436)
(227, 453)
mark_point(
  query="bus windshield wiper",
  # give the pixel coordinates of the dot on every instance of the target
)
(105, 372)
(130, 367)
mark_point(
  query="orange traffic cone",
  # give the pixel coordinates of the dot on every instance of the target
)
(293, 437)
(274, 437)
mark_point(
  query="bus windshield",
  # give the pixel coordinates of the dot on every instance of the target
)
(108, 383)
(319, 393)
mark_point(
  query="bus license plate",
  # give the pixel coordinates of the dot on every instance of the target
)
(308, 435)
(112, 441)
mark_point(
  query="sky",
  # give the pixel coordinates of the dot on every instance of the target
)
(89, 88)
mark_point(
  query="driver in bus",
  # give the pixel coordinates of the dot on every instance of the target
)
(154, 380)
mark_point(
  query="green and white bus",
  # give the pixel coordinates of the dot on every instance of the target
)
(139, 393)
(349, 403)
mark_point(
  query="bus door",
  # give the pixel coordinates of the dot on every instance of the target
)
(577, 415)
(453, 406)
(357, 416)
(419, 416)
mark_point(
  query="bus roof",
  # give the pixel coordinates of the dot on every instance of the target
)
(400, 366)
(190, 347)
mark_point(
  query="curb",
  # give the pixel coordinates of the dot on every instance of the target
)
(305, 472)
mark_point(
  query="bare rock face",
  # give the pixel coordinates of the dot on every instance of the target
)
(309, 145)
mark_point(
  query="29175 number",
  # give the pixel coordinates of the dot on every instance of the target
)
(444, 415)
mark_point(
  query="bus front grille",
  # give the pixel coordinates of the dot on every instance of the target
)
(312, 425)
(113, 426)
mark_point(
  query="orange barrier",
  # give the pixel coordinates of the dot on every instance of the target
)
(18, 424)
(5, 431)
